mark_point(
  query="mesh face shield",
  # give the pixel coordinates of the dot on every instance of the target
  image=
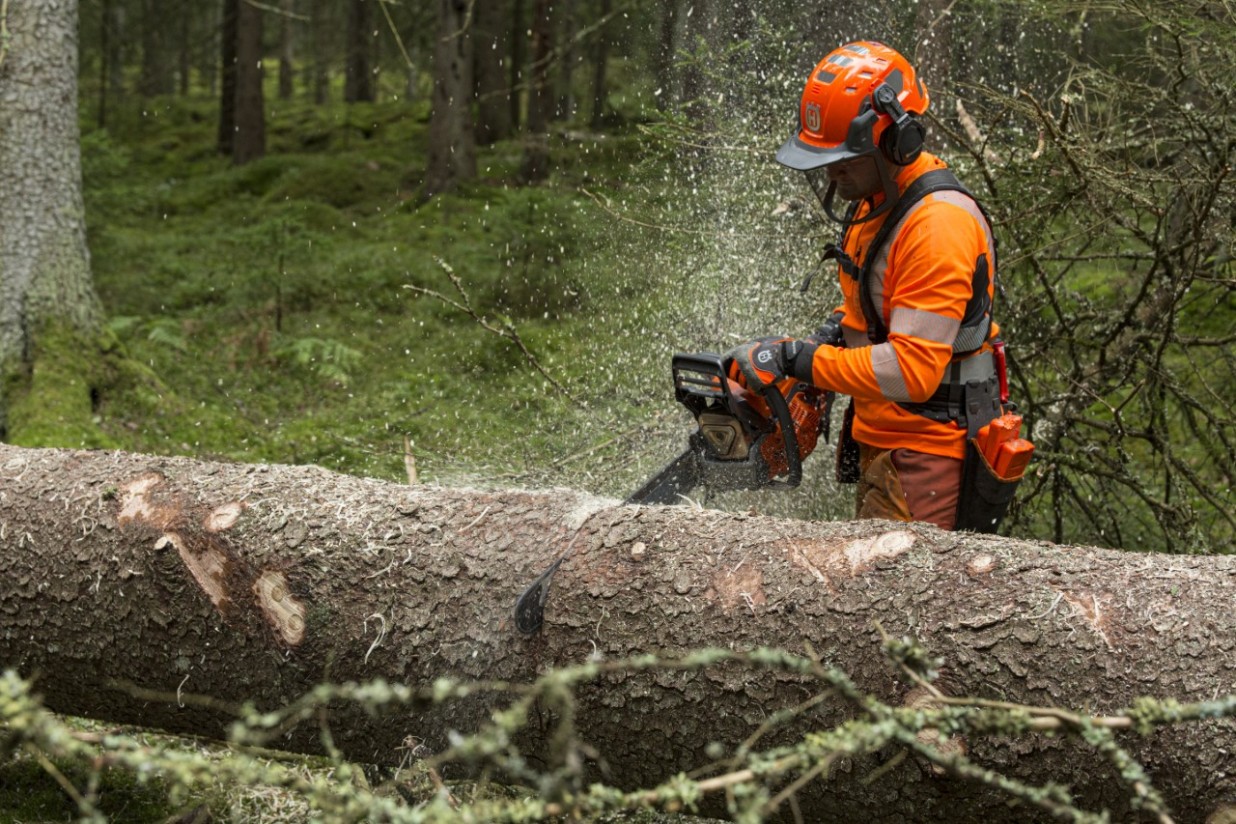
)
(818, 180)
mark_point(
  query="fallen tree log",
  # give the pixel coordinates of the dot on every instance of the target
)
(256, 582)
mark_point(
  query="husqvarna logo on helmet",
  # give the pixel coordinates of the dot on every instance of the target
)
(764, 357)
(811, 117)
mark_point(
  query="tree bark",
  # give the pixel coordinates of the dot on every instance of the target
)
(250, 141)
(452, 145)
(258, 582)
(46, 289)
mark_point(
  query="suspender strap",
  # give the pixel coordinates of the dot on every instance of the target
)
(934, 181)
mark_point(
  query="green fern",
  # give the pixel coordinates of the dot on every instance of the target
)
(328, 359)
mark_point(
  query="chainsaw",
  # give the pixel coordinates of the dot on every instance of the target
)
(743, 440)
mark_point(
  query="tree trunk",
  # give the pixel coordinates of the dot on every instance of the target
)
(250, 140)
(696, 35)
(517, 63)
(600, 61)
(933, 57)
(491, 53)
(358, 80)
(540, 96)
(156, 76)
(228, 38)
(319, 79)
(452, 147)
(106, 57)
(663, 62)
(287, 68)
(258, 582)
(565, 104)
(184, 50)
(49, 312)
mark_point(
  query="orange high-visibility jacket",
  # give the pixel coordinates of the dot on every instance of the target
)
(932, 262)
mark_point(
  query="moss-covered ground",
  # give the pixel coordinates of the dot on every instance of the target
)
(265, 309)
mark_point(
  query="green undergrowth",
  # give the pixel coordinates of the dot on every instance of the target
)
(269, 307)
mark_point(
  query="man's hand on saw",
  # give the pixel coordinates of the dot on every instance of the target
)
(769, 360)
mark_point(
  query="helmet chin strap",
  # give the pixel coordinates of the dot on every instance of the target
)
(891, 195)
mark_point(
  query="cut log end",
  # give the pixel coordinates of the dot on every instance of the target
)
(209, 568)
(136, 506)
(1225, 814)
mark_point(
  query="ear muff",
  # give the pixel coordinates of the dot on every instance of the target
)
(902, 141)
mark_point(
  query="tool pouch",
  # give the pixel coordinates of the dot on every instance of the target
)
(985, 496)
(847, 449)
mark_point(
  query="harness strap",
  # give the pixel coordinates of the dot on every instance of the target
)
(937, 180)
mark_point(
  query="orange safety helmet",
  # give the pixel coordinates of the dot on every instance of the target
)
(862, 97)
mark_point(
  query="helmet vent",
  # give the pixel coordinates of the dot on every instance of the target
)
(826, 77)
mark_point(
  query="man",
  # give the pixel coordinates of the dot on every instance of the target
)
(914, 343)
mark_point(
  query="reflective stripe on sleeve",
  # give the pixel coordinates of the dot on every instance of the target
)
(972, 337)
(888, 373)
(920, 323)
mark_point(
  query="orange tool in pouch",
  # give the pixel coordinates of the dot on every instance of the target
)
(1012, 458)
(994, 435)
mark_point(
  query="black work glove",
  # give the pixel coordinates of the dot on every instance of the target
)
(830, 333)
(769, 360)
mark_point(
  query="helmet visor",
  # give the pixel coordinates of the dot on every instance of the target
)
(802, 155)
